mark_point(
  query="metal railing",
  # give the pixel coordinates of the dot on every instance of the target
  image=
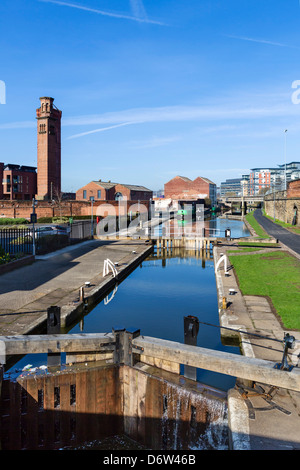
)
(16, 240)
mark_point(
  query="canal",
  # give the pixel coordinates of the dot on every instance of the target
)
(157, 296)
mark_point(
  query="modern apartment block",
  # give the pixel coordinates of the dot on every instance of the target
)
(260, 180)
(269, 178)
(18, 182)
(231, 186)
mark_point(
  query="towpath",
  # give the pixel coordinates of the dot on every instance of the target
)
(291, 240)
(260, 421)
(56, 279)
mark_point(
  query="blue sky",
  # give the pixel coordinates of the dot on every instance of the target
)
(152, 89)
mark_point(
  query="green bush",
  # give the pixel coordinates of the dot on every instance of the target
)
(11, 221)
(4, 257)
(60, 220)
(45, 220)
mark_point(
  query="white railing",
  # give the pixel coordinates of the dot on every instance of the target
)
(109, 265)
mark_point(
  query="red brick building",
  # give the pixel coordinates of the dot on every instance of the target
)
(48, 149)
(18, 182)
(182, 188)
(293, 190)
(108, 191)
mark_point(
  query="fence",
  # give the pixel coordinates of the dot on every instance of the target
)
(16, 241)
(20, 241)
(81, 230)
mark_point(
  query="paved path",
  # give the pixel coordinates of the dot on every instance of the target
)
(291, 240)
(257, 424)
(55, 279)
(271, 427)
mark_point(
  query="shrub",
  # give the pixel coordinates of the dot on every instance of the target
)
(11, 221)
(60, 220)
(45, 220)
(4, 257)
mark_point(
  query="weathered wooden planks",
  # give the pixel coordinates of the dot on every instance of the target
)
(257, 370)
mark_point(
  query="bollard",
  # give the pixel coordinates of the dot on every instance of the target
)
(123, 344)
(81, 294)
(53, 328)
(191, 328)
(53, 320)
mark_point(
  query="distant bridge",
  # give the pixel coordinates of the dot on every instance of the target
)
(251, 200)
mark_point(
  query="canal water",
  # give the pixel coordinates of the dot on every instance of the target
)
(157, 296)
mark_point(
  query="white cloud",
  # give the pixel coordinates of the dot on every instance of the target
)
(184, 114)
(261, 41)
(154, 142)
(138, 9)
(233, 110)
(103, 129)
(140, 19)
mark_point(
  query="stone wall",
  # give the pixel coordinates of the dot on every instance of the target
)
(286, 203)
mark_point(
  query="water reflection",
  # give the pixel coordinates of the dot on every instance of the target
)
(168, 286)
(209, 227)
(158, 295)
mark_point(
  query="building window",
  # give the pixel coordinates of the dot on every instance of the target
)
(84, 194)
(99, 194)
(118, 196)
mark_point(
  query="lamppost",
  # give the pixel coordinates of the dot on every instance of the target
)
(33, 221)
(285, 186)
(92, 199)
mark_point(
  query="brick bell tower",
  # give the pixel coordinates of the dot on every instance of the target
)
(48, 150)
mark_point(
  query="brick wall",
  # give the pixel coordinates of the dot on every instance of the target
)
(294, 189)
(1, 179)
(23, 209)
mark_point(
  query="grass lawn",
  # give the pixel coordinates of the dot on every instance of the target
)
(255, 225)
(273, 274)
(244, 249)
(259, 244)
